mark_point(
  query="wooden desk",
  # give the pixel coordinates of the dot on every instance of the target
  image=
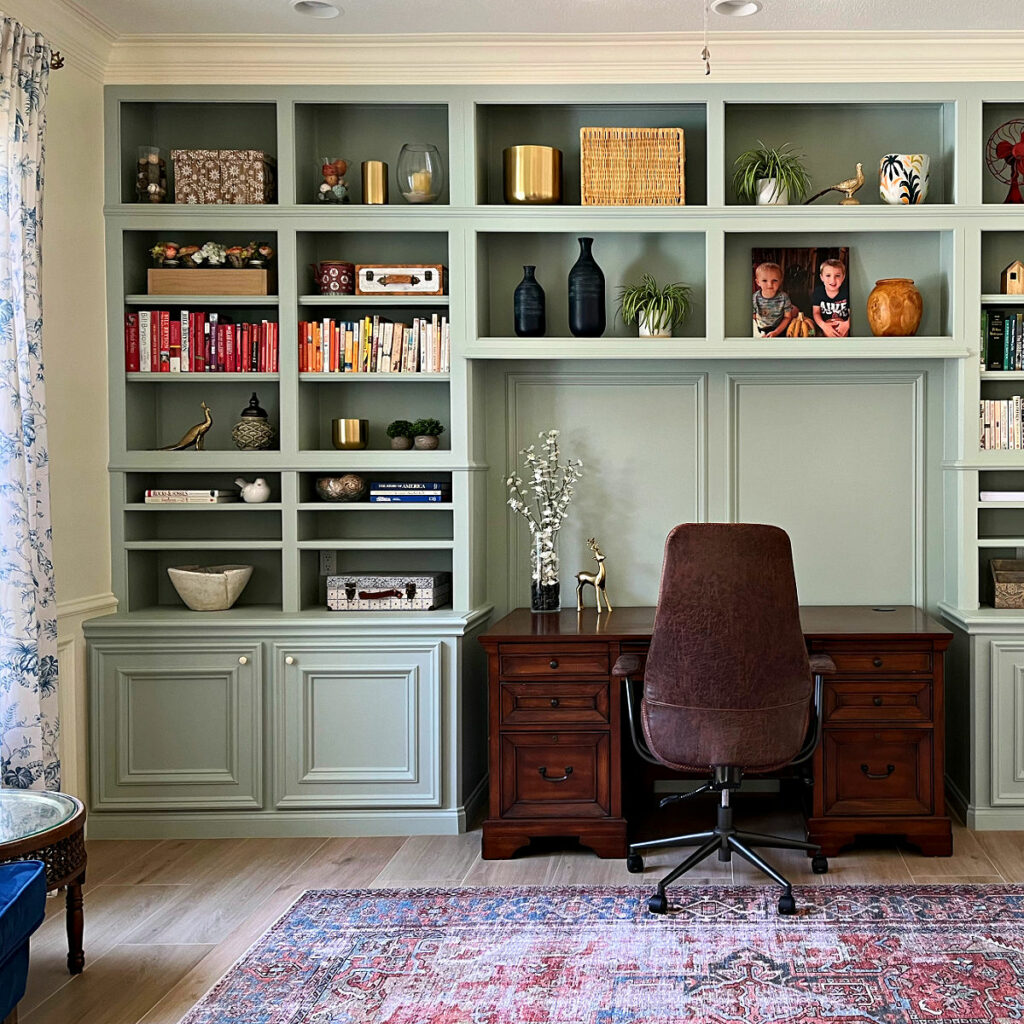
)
(556, 725)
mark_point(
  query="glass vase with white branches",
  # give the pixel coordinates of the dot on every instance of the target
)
(542, 499)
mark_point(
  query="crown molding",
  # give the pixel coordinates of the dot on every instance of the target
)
(584, 58)
(84, 40)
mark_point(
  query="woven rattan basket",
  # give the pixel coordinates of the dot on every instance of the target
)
(632, 167)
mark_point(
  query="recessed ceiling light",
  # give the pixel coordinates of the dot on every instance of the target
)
(736, 8)
(316, 8)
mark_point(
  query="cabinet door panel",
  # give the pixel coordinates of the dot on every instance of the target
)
(1007, 722)
(177, 727)
(358, 725)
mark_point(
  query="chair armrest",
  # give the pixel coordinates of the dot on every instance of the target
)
(821, 665)
(627, 665)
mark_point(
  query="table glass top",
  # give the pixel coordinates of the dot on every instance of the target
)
(28, 812)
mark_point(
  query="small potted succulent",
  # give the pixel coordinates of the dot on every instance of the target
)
(212, 254)
(239, 255)
(770, 176)
(401, 434)
(166, 254)
(425, 434)
(260, 254)
(655, 308)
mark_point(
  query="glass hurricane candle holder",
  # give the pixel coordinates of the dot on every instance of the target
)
(420, 173)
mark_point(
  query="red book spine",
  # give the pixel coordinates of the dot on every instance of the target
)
(165, 340)
(174, 346)
(131, 342)
(222, 347)
(230, 357)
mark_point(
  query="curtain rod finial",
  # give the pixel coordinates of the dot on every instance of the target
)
(56, 61)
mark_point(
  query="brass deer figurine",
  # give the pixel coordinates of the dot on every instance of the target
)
(596, 579)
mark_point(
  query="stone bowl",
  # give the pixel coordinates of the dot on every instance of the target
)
(209, 588)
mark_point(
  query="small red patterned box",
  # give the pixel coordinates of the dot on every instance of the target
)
(225, 176)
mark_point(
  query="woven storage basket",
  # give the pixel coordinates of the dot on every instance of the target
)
(632, 167)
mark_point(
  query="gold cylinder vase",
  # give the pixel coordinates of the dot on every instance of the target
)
(349, 435)
(533, 175)
(375, 182)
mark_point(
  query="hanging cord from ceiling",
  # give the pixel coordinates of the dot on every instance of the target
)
(705, 53)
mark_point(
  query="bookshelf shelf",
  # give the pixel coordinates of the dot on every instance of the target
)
(206, 301)
(199, 377)
(379, 544)
(374, 300)
(351, 377)
(203, 545)
(202, 506)
(373, 506)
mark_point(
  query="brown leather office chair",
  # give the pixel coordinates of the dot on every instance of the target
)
(727, 685)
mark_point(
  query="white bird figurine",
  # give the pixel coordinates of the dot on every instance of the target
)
(255, 492)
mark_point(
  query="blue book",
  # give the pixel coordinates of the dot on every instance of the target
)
(408, 485)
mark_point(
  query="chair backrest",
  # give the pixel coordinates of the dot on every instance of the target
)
(727, 680)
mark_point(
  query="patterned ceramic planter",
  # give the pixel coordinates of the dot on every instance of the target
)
(903, 178)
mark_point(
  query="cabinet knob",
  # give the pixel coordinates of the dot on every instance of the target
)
(289, 660)
(877, 662)
(243, 660)
(553, 663)
(877, 701)
(554, 702)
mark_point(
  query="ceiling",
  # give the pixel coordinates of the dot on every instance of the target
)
(372, 17)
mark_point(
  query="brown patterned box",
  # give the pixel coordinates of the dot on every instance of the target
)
(232, 176)
(1008, 582)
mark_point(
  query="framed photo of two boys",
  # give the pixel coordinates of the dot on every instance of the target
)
(812, 281)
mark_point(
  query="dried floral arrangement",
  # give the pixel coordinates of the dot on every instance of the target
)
(211, 254)
(543, 501)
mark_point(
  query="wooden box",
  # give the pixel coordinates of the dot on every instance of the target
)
(406, 279)
(1008, 582)
(632, 167)
(218, 281)
(222, 176)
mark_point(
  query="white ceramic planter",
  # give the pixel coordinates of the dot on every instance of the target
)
(649, 330)
(769, 195)
(903, 178)
(211, 588)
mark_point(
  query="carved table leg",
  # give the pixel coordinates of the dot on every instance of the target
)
(76, 924)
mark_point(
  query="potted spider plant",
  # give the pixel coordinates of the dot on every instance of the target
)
(770, 175)
(655, 308)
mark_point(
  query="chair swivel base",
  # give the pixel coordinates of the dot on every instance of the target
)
(724, 839)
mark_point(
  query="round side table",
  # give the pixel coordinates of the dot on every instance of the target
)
(50, 827)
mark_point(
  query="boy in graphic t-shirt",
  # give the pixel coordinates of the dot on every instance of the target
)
(830, 300)
(772, 308)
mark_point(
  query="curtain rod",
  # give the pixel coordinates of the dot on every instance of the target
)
(56, 61)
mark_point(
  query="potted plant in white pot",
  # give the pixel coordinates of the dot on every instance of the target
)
(656, 309)
(770, 176)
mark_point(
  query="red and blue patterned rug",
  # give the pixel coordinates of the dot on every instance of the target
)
(572, 955)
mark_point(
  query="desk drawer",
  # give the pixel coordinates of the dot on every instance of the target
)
(557, 703)
(886, 700)
(553, 660)
(874, 660)
(555, 775)
(874, 772)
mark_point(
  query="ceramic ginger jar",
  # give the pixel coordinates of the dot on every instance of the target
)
(894, 308)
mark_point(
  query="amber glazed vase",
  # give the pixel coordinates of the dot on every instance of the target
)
(894, 308)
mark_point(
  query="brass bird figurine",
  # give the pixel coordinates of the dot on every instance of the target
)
(194, 435)
(849, 187)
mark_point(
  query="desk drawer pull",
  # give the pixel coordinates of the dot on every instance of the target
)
(561, 778)
(553, 663)
(554, 702)
(877, 701)
(877, 662)
(889, 769)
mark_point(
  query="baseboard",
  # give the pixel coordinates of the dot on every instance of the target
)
(474, 809)
(995, 819)
(957, 804)
(274, 824)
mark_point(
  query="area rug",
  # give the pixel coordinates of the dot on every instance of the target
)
(574, 955)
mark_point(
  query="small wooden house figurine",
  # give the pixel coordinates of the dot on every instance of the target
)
(1012, 279)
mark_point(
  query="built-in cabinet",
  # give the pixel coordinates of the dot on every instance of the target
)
(383, 717)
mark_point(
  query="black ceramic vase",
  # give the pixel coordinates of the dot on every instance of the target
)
(529, 306)
(586, 295)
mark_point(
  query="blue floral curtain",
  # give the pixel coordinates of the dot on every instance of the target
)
(28, 614)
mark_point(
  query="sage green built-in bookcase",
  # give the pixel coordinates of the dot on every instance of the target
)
(279, 717)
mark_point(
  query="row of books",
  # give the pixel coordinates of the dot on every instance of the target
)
(410, 492)
(375, 344)
(1002, 423)
(1003, 339)
(187, 496)
(197, 341)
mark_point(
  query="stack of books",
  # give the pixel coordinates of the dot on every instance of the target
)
(187, 496)
(158, 341)
(1002, 332)
(375, 345)
(410, 491)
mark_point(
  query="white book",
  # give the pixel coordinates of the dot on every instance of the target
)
(182, 499)
(1002, 496)
(145, 341)
(186, 353)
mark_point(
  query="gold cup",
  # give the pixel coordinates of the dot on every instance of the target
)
(375, 182)
(348, 435)
(533, 174)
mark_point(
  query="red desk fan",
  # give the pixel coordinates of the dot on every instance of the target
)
(1004, 154)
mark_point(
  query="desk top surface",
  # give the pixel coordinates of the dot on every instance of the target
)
(624, 624)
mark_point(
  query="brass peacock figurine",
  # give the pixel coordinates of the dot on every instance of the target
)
(849, 187)
(194, 435)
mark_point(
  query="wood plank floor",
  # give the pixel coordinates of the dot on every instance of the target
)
(165, 919)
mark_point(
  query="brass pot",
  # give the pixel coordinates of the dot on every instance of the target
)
(348, 435)
(533, 174)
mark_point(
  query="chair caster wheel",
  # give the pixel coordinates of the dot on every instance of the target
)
(787, 905)
(819, 864)
(634, 863)
(658, 903)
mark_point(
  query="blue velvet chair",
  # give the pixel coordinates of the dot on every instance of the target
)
(22, 908)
